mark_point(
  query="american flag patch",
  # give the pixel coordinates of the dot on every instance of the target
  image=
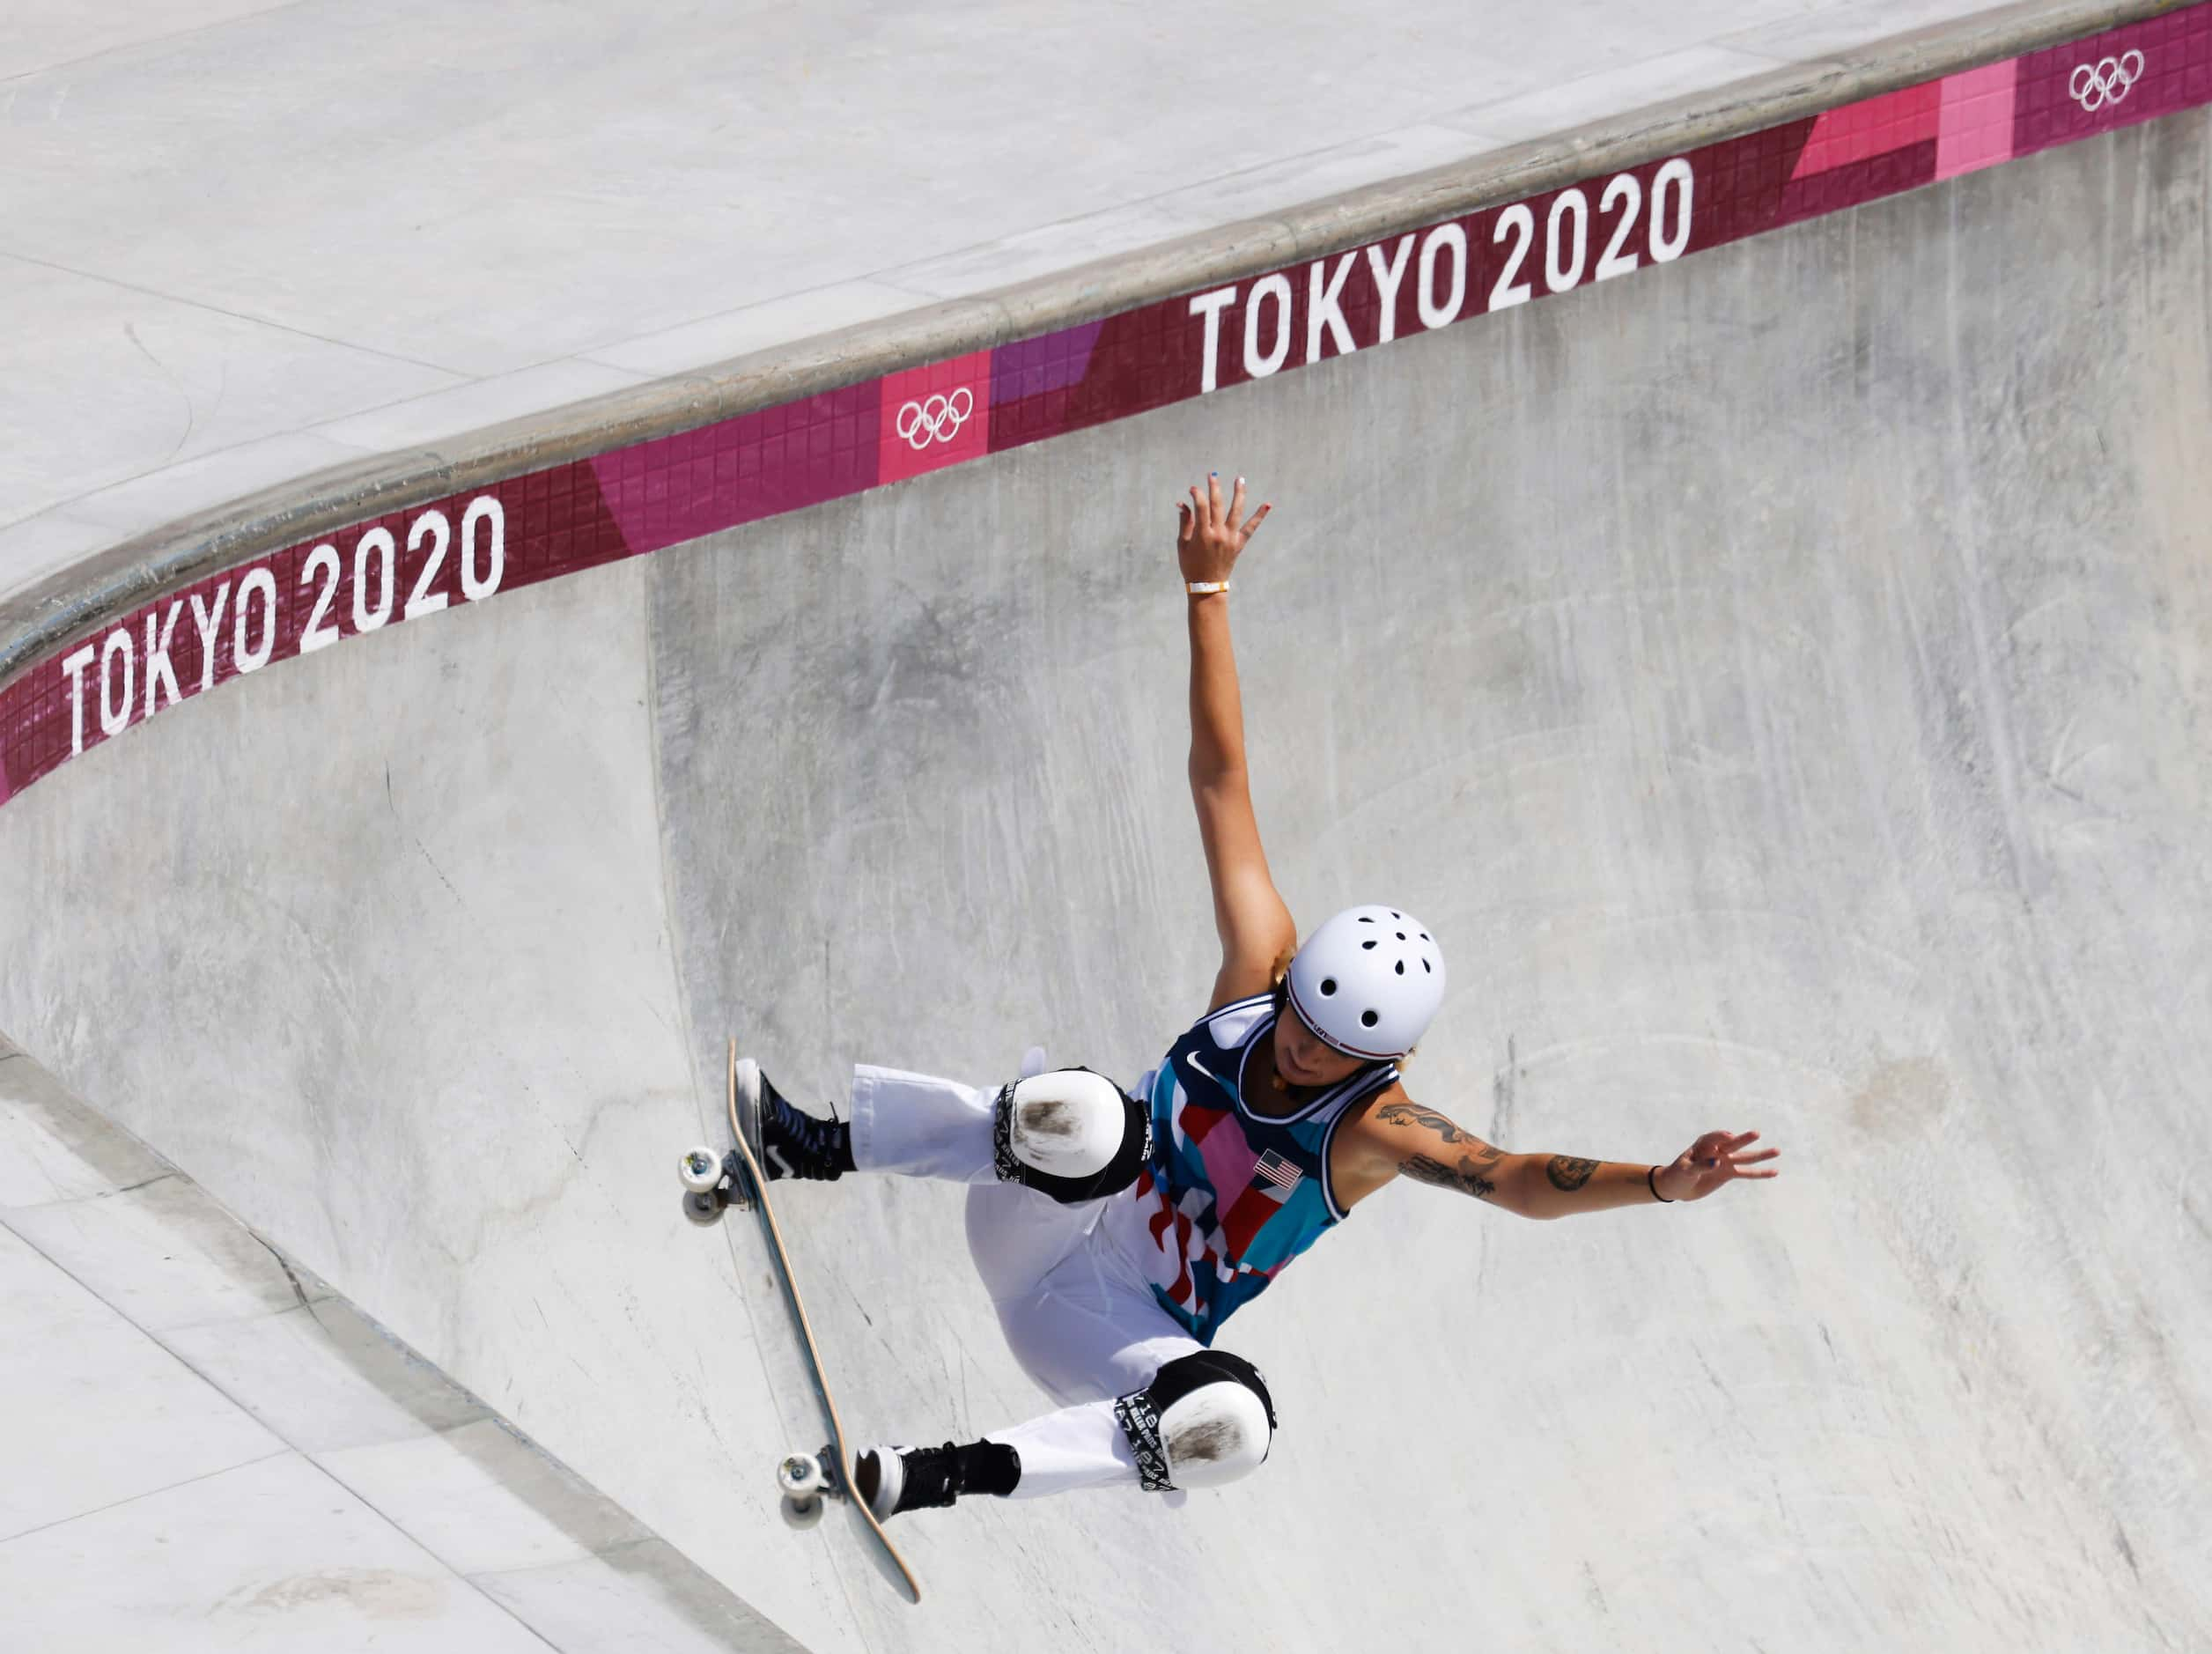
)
(1279, 1171)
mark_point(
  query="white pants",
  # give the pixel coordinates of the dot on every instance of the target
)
(1075, 1311)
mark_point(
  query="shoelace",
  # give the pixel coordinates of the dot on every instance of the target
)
(801, 1145)
(939, 1472)
(809, 1134)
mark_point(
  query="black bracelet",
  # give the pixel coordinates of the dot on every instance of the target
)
(1652, 1177)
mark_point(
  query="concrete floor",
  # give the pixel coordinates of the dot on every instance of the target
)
(209, 1449)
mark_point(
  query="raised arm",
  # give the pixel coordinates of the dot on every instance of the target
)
(1256, 929)
(1397, 1137)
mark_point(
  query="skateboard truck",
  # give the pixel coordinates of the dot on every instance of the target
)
(808, 1481)
(710, 1184)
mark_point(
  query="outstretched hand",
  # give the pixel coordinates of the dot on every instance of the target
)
(1210, 534)
(1713, 1161)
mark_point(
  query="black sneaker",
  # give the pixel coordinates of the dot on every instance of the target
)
(896, 1479)
(893, 1480)
(788, 1141)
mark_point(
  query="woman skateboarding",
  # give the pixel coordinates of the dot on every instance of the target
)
(1116, 1232)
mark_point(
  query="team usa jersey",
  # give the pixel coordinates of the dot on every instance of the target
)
(1230, 1196)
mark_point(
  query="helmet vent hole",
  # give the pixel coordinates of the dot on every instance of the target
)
(1401, 936)
(1401, 967)
(1397, 916)
(1367, 918)
(1368, 1019)
(1366, 945)
(1424, 937)
(1428, 967)
(1328, 987)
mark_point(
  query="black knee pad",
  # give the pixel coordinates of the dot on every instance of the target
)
(1071, 1134)
(1206, 1417)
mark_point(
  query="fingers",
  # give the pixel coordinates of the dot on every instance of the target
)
(1729, 1167)
(1716, 1160)
(1208, 511)
(1237, 522)
(1721, 1143)
(1717, 1156)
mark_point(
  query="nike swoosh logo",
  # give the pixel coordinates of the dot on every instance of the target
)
(1193, 1060)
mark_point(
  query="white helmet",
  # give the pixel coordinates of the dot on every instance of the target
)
(1369, 982)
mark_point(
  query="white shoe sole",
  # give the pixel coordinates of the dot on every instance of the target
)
(749, 1108)
(890, 1478)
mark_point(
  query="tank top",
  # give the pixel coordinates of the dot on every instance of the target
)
(1229, 1196)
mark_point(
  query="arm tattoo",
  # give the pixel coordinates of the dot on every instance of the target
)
(1468, 1178)
(1414, 1114)
(1569, 1174)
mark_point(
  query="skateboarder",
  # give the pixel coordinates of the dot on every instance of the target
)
(1117, 1232)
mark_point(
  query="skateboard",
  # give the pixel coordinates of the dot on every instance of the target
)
(808, 1481)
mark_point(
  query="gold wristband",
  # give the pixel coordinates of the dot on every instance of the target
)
(1205, 588)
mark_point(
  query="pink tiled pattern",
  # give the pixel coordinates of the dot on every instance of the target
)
(935, 416)
(1976, 119)
(1879, 126)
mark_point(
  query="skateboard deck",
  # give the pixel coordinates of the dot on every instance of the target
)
(800, 1488)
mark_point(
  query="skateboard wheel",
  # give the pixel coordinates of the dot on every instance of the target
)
(706, 1210)
(801, 1476)
(701, 1170)
(803, 1513)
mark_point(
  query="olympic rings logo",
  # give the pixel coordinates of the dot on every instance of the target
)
(937, 420)
(2094, 85)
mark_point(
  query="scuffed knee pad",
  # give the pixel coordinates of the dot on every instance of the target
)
(1072, 1134)
(1205, 1418)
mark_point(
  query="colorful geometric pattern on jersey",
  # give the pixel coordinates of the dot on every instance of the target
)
(1230, 1196)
